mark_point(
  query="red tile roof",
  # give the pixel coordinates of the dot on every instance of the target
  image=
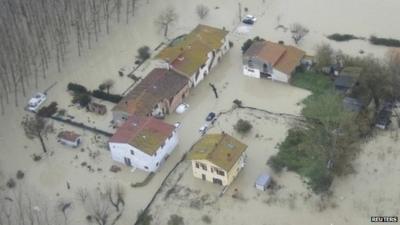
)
(145, 133)
(284, 58)
(159, 84)
(68, 136)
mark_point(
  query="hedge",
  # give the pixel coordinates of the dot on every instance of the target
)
(77, 88)
(342, 37)
(48, 111)
(389, 42)
(108, 97)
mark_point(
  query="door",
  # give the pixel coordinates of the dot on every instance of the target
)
(203, 177)
(128, 161)
(217, 181)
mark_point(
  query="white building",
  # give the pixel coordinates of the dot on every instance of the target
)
(265, 59)
(69, 138)
(143, 142)
(195, 54)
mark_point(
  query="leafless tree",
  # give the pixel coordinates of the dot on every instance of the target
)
(298, 32)
(166, 19)
(202, 11)
(107, 85)
(103, 208)
(37, 127)
(21, 207)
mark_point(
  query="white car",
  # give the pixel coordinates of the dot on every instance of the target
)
(203, 129)
(182, 108)
(35, 102)
(177, 125)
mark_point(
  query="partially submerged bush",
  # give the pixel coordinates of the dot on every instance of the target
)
(36, 157)
(83, 99)
(202, 11)
(144, 218)
(77, 88)
(108, 97)
(48, 111)
(20, 174)
(143, 53)
(175, 220)
(206, 219)
(389, 42)
(11, 183)
(341, 37)
(242, 126)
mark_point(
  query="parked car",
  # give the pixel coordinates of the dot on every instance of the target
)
(182, 108)
(249, 19)
(203, 129)
(177, 125)
(210, 116)
(35, 102)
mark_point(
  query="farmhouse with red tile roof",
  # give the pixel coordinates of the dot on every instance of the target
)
(143, 142)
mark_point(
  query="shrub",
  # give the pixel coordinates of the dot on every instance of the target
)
(62, 112)
(242, 126)
(342, 37)
(36, 157)
(143, 53)
(20, 174)
(108, 97)
(389, 42)
(144, 218)
(206, 219)
(175, 220)
(202, 11)
(11, 183)
(48, 111)
(82, 98)
(77, 88)
(276, 164)
(238, 103)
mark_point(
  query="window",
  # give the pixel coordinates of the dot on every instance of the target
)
(132, 152)
(146, 167)
(203, 166)
(197, 75)
(197, 165)
(218, 171)
(158, 163)
(162, 145)
(170, 136)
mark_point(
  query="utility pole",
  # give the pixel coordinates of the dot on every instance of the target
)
(240, 12)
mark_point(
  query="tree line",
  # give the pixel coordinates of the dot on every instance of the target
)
(36, 34)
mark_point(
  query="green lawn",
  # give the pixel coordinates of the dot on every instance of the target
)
(314, 82)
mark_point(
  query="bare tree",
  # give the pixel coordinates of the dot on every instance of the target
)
(101, 206)
(107, 85)
(202, 11)
(298, 32)
(21, 207)
(37, 127)
(166, 19)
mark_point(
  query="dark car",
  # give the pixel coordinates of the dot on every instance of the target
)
(249, 19)
(210, 116)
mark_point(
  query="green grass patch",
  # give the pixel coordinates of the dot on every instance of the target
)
(314, 82)
(301, 151)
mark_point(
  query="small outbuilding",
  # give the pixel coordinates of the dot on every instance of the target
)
(69, 138)
(263, 181)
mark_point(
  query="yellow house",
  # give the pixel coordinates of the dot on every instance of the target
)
(217, 158)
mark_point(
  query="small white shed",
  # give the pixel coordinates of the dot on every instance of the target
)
(263, 181)
(69, 138)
